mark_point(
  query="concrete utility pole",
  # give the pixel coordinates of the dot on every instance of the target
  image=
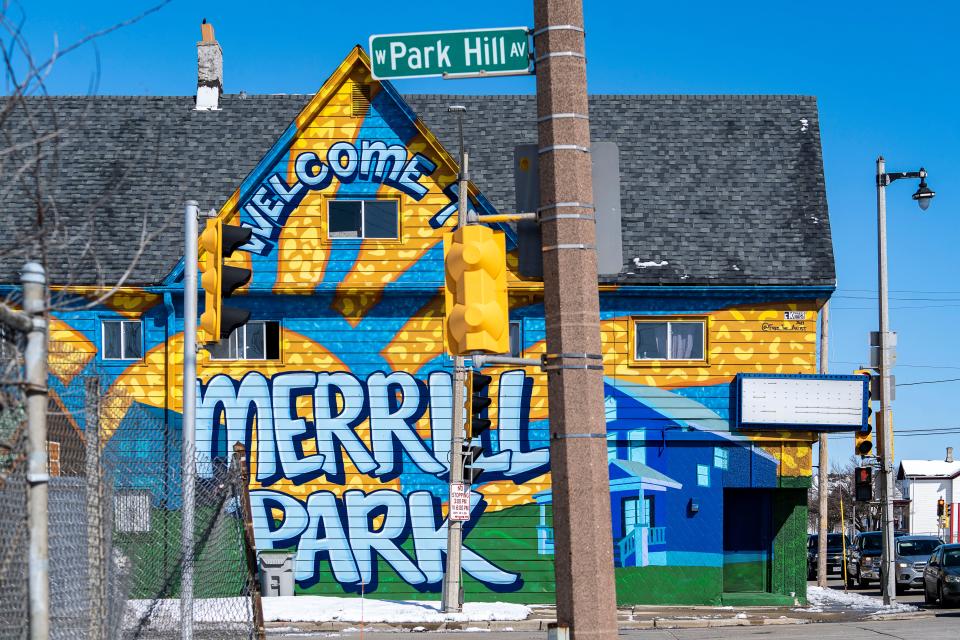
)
(823, 471)
(888, 577)
(189, 466)
(34, 283)
(583, 560)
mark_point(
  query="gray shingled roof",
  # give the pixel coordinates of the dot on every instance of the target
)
(726, 189)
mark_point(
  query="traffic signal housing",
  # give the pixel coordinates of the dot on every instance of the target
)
(863, 440)
(219, 281)
(940, 507)
(471, 473)
(475, 291)
(863, 484)
(478, 401)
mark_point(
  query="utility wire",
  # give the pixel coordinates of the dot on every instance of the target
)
(843, 297)
(912, 366)
(910, 384)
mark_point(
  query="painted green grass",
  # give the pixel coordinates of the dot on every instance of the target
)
(155, 557)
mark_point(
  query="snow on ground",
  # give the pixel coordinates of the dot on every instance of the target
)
(821, 599)
(323, 609)
(329, 609)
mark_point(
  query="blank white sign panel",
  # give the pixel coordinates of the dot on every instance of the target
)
(797, 401)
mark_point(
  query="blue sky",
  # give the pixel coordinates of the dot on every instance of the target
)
(884, 74)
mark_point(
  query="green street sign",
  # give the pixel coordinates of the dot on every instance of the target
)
(451, 54)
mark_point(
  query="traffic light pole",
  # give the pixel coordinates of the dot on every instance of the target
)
(189, 468)
(583, 558)
(888, 580)
(452, 601)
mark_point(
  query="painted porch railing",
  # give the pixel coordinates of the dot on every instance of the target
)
(632, 543)
(544, 539)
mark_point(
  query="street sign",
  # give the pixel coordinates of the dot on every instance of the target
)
(459, 501)
(451, 54)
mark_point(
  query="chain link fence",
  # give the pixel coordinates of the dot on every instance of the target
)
(115, 502)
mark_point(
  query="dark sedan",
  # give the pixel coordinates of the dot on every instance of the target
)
(941, 577)
(835, 547)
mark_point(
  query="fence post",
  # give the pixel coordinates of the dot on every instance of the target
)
(96, 558)
(34, 280)
(250, 546)
(189, 462)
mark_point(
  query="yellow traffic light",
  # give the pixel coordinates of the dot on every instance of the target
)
(219, 281)
(477, 311)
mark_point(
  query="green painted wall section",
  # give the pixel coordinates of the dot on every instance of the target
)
(508, 538)
(789, 570)
(796, 482)
(669, 585)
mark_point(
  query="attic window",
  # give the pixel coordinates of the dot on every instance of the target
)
(360, 103)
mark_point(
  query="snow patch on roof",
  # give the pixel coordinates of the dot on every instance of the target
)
(650, 263)
(929, 468)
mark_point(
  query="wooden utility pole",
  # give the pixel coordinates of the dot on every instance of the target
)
(583, 561)
(250, 544)
(823, 472)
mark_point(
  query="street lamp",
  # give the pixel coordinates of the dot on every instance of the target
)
(923, 196)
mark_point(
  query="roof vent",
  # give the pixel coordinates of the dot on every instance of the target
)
(360, 104)
(209, 70)
(949, 454)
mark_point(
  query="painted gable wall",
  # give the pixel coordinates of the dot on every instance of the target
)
(348, 431)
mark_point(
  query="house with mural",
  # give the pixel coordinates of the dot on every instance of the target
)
(339, 385)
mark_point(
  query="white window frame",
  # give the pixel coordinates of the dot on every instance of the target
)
(669, 322)
(243, 327)
(123, 339)
(363, 217)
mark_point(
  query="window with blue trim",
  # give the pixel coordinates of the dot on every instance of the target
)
(703, 475)
(721, 458)
(121, 340)
(379, 219)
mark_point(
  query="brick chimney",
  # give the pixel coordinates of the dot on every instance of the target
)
(949, 454)
(209, 70)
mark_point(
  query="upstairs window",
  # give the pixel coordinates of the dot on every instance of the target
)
(122, 340)
(377, 219)
(256, 340)
(669, 339)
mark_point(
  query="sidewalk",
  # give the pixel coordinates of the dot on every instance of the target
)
(826, 605)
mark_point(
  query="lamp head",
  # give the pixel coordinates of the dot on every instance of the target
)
(924, 194)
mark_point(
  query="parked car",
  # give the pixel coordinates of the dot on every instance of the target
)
(863, 560)
(912, 553)
(941, 576)
(835, 544)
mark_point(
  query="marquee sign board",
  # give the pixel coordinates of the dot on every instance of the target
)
(451, 54)
(802, 402)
